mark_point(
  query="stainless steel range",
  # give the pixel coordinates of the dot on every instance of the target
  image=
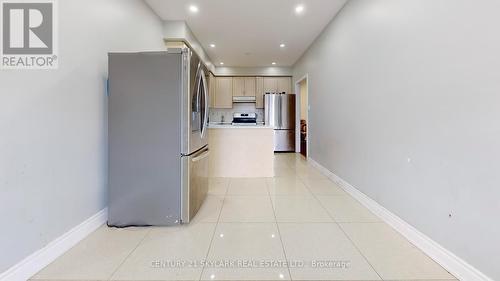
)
(245, 119)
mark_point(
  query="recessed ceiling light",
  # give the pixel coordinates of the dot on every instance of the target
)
(282, 45)
(212, 45)
(221, 63)
(299, 9)
(273, 63)
(193, 9)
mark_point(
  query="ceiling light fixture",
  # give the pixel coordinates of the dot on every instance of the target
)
(299, 9)
(193, 9)
(282, 45)
(221, 63)
(273, 63)
(212, 45)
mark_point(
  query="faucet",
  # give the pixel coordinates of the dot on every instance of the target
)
(222, 118)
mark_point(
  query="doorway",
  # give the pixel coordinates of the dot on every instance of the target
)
(302, 90)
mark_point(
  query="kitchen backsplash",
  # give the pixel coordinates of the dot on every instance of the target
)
(216, 114)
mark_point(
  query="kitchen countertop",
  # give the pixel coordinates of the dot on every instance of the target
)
(230, 126)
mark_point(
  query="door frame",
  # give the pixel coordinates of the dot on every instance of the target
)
(298, 98)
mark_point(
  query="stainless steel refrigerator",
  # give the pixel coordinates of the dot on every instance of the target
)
(158, 137)
(280, 114)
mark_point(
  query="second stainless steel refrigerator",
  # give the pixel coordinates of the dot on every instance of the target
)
(280, 114)
(158, 137)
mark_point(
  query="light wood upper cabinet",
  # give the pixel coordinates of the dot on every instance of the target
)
(223, 92)
(211, 90)
(278, 85)
(250, 86)
(222, 89)
(244, 86)
(259, 92)
(238, 86)
(285, 85)
(270, 84)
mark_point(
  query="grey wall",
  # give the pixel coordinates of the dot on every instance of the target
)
(53, 125)
(405, 106)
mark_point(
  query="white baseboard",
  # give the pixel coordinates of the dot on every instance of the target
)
(28, 267)
(455, 265)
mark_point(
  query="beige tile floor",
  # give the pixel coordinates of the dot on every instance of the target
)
(296, 226)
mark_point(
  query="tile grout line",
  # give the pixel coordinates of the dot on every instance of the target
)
(339, 225)
(129, 254)
(215, 229)
(279, 232)
(347, 236)
(359, 250)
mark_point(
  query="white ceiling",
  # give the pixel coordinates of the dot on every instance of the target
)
(247, 33)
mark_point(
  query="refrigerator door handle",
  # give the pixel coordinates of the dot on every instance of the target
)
(196, 91)
(207, 109)
(203, 111)
(279, 111)
(204, 155)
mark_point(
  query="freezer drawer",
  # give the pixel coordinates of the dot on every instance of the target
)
(194, 183)
(284, 140)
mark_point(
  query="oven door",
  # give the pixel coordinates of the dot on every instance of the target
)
(194, 183)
